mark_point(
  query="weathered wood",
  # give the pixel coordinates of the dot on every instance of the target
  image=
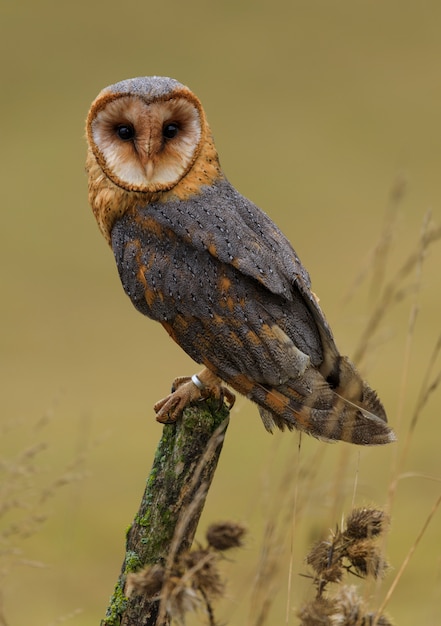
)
(173, 500)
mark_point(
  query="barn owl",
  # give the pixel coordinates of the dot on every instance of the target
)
(214, 270)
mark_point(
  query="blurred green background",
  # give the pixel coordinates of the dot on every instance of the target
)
(317, 108)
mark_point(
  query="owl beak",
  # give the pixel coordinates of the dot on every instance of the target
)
(149, 169)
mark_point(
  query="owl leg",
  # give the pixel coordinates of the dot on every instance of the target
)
(187, 390)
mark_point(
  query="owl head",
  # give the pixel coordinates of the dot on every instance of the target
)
(148, 140)
(146, 133)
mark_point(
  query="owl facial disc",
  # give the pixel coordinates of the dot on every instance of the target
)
(145, 144)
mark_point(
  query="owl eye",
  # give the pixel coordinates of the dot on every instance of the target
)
(170, 130)
(126, 132)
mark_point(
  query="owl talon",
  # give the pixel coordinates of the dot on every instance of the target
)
(178, 382)
(188, 390)
(226, 396)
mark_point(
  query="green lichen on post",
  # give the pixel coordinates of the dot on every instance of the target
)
(132, 562)
(117, 607)
(183, 468)
(178, 452)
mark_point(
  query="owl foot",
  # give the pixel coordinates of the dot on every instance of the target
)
(187, 390)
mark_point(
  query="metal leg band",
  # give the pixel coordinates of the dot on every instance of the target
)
(199, 384)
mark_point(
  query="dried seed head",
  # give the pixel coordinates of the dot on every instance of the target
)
(350, 610)
(365, 523)
(366, 558)
(325, 562)
(201, 569)
(349, 607)
(147, 581)
(181, 599)
(354, 550)
(319, 612)
(225, 535)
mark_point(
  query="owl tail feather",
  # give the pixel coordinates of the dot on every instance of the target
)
(351, 412)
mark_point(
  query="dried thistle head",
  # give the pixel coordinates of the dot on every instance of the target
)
(325, 560)
(194, 580)
(349, 607)
(147, 581)
(352, 550)
(181, 598)
(365, 556)
(345, 608)
(350, 610)
(356, 544)
(202, 572)
(225, 535)
(319, 612)
(365, 523)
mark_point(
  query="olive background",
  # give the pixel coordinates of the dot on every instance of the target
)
(320, 110)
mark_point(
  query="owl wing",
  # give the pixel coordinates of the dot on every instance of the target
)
(272, 345)
(236, 232)
(209, 286)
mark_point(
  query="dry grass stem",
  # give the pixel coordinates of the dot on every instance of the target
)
(409, 555)
(284, 513)
(376, 262)
(23, 500)
(264, 586)
(397, 289)
(429, 386)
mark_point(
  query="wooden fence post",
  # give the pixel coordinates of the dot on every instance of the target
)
(173, 500)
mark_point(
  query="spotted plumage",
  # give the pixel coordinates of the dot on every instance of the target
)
(214, 270)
